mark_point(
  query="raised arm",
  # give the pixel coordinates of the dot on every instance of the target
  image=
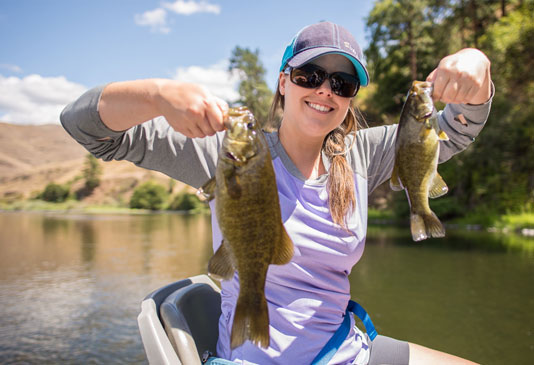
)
(150, 123)
(188, 108)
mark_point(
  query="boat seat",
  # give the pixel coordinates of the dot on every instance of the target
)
(179, 322)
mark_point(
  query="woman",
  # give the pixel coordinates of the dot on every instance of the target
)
(324, 175)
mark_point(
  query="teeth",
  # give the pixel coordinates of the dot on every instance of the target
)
(320, 108)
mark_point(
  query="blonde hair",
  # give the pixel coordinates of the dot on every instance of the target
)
(341, 198)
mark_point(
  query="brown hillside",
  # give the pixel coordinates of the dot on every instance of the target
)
(24, 147)
(33, 156)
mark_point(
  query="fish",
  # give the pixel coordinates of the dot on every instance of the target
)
(416, 160)
(249, 216)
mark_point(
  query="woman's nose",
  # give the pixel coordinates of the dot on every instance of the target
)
(325, 88)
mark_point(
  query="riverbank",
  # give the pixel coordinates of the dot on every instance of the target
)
(522, 223)
(512, 222)
(74, 206)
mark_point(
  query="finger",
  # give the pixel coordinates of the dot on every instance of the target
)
(440, 83)
(223, 106)
(206, 128)
(450, 91)
(195, 132)
(462, 97)
(431, 76)
(214, 115)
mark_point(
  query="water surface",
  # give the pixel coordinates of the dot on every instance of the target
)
(71, 286)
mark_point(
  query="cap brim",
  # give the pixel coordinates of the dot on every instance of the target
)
(312, 53)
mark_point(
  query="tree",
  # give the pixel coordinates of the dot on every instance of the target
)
(187, 202)
(254, 92)
(508, 139)
(494, 174)
(55, 193)
(92, 172)
(149, 195)
(401, 48)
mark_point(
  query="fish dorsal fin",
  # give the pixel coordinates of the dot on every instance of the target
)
(283, 251)
(395, 182)
(220, 265)
(208, 189)
(438, 187)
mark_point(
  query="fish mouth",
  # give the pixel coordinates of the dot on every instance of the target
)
(230, 156)
(429, 114)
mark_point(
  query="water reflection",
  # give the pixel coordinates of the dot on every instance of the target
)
(456, 239)
(71, 286)
(470, 294)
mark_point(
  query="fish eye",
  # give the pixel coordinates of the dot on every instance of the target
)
(250, 125)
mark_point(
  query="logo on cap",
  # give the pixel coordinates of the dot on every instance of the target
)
(347, 44)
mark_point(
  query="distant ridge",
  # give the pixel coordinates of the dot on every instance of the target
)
(31, 156)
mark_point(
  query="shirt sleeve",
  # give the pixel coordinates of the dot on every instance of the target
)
(153, 144)
(373, 155)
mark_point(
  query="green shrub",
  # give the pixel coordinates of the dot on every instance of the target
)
(55, 193)
(92, 172)
(149, 195)
(186, 202)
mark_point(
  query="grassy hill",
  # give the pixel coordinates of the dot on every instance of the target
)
(33, 156)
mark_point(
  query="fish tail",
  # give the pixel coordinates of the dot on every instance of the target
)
(251, 321)
(433, 225)
(425, 225)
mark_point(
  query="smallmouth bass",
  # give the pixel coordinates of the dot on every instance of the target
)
(248, 213)
(416, 160)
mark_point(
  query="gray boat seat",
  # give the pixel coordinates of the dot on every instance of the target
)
(179, 322)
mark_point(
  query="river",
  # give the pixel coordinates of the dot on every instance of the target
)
(71, 286)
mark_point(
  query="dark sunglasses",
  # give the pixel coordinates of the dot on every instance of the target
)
(312, 76)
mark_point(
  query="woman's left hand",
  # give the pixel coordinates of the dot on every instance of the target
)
(462, 78)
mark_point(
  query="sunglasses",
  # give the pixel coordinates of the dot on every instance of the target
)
(312, 76)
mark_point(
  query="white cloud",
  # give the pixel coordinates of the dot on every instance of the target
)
(10, 67)
(155, 19)
(35, 99)
(215, 78)
(191, 7)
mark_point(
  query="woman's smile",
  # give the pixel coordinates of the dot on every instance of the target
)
(319, 107)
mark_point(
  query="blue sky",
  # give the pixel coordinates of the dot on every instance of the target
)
(52, 51)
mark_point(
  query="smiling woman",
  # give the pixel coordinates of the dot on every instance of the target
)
(325, 168)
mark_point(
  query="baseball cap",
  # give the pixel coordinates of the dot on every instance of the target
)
(324, 38)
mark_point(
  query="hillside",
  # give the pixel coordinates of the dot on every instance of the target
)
(33, 156)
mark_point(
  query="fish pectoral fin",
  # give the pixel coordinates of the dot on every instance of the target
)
(232, 184)
(438, 187)
(208, 189)
(395, 182)
(424, 134)
(442, 136)
(283, 251)
(220, 265)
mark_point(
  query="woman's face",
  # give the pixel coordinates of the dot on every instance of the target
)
(315, 112)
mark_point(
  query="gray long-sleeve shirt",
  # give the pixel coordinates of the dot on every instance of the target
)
(308, 296)
(155, 145)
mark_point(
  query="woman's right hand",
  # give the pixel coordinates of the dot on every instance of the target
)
(190, 109)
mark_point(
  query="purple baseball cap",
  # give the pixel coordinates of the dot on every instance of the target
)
(324, 38)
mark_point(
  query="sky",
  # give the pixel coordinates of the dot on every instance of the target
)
(52, 51)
